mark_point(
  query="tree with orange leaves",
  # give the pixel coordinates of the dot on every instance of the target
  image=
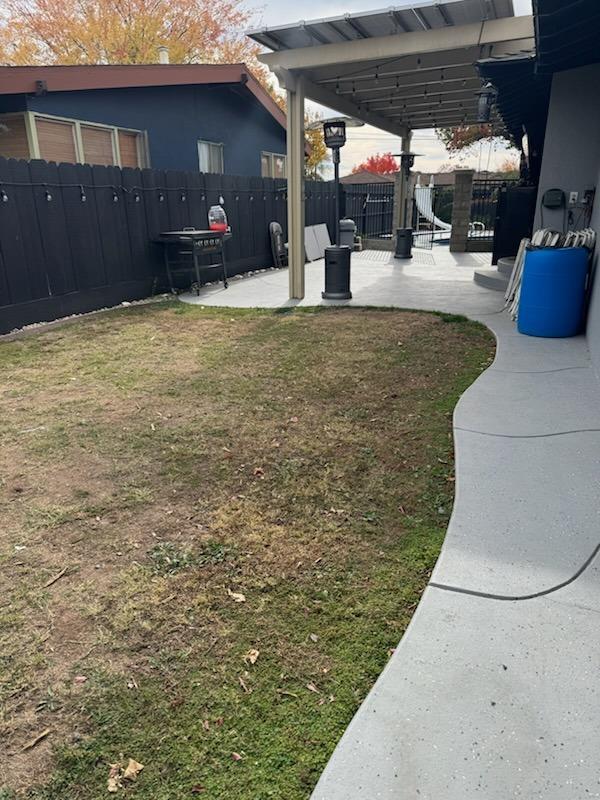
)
(126, 32)
(381, 164)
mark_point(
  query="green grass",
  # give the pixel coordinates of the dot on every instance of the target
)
(217, 482)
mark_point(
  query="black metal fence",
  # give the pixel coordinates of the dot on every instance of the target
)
(75, 237)
(371, 206)
(484, 207)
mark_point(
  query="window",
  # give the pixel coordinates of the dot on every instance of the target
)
(130, 146)
(13, 136)
(75, 141)
(98, 146)
(210, 157)
(273, 165)
(56, 140)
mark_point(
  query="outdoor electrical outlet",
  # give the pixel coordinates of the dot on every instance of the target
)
(573, 198)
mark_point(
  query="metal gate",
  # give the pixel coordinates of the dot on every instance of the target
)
(371, 206)
(434, 208)
(484, 205)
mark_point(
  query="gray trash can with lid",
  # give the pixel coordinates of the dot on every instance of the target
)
(347, 232)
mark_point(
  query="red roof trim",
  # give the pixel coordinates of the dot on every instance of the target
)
(82, 77)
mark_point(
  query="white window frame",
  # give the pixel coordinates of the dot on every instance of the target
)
(221, 147)
(272, 157)
(31, 118)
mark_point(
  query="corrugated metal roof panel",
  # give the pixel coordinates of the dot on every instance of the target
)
(426, 15)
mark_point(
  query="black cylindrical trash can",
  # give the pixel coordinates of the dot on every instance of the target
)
(337, 273)
(403, 243)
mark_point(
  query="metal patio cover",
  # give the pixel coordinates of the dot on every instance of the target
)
(400, 67)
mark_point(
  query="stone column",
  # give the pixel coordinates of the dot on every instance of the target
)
(461, 210)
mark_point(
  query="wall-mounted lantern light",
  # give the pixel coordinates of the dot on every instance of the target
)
(486, 99)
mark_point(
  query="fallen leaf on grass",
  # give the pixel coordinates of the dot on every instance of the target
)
(244, 685)
(237, 597)
(206, 725)
(132, 770)
(313, 637)
(197, 789)
(36, 739)
(312, 688)
(259, 472)
(113, 783)
(80, 679)
(117, 774)
(236, 757)
(252, 656)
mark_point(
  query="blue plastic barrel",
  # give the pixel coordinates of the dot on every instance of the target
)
(553, 291)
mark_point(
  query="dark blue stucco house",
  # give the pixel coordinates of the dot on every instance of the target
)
(193, 117)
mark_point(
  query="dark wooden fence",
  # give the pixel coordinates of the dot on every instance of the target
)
(75, 238)
(371, 206)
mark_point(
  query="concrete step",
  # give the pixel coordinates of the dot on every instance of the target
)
(505, 265)
(491, 279)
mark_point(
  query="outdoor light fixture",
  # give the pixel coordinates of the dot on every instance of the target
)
(407, 160)
(337, 257)
(486, 97)
(334, 131)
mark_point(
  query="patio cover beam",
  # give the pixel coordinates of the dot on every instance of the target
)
(325, 97)
(488, 32)
(405, 67)
(448, 84)
(432, 97)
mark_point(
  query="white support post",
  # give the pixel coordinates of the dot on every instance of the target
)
(295, 180)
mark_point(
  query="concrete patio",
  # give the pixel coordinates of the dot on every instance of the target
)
(493, 691)
(434, 279)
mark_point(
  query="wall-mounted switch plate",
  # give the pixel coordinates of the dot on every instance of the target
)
(573, 198)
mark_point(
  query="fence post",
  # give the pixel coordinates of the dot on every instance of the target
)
(461, 210)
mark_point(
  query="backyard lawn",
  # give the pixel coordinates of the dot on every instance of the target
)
(215, 526)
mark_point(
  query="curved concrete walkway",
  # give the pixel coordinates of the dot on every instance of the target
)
(493, 691)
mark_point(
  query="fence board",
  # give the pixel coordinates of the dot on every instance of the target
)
(112, 223)
(83, 231)
(33, 264)
(198, 207)
(15, 279)
(139, 241)
(53, 227)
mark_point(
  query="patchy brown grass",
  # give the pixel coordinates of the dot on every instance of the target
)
(166, 457)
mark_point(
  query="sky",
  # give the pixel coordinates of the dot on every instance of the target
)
(365, 141)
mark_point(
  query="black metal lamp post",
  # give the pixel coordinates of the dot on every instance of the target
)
(337, 257)
(334, 131)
